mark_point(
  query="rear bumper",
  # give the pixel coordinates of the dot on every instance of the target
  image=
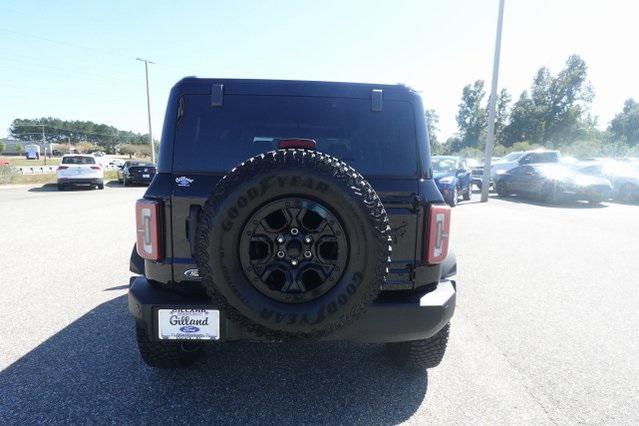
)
(80, 181)
(137, 179)
(391, 318)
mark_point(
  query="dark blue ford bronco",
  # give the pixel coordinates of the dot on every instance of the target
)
(292, 211)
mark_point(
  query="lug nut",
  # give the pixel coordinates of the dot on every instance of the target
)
(308, 254)
(308, 239)
(295, 231)
(281, 254)
(280, 239)
(294, 262)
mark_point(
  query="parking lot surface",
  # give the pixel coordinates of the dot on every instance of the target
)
(546, 329)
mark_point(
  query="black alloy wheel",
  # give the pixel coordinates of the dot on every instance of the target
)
(293, 250)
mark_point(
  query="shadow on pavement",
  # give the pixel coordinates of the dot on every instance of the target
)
(47, 187)
(561, 205)
(52, 187)
(117, 287)
(114, 184)
(90, 372)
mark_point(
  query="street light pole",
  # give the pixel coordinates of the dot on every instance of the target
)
(148, 104)
(485, 186)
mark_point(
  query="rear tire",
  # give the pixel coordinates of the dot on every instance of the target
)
(550, 195)
(166, 354)
(454, 197)
(468, 193)
(502, 189)
(420, 354)
(101, 185)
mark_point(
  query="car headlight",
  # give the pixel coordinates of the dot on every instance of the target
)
(448, 180)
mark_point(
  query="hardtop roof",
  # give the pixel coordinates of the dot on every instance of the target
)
(194, 85)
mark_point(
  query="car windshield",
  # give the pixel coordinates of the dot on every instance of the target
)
(444, 165)
(375, 143)
(513, 156)
(78, 159)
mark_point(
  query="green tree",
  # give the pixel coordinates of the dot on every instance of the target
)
(556, 108)
(624, 127)
(453, 144)
(471, 115)
(501, 113)
(19, 149)
(3, 147)
(127, 149)
(432, 125)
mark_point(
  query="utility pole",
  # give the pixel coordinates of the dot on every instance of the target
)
(148, 104)
(69, 140)
(44, 146)
(485, 185)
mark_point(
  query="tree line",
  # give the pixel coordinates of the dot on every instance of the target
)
(553, 113)
(85, 135)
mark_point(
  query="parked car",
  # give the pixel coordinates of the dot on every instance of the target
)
(553, 183)
(79, 170)
(116, 162)
(244, 235)
(136, 172)
(520, 158)
(453, 178)
(624, 177)
(476, 172)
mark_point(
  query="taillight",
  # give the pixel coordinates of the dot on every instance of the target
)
(296, 143)
(96, 167)
(438, 234)
(147, 223)
(63, 167)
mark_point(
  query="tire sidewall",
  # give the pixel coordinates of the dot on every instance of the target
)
(222, 268)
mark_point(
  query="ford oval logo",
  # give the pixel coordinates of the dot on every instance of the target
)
(189, 329)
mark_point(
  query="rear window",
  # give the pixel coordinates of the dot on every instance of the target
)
(78, 160)
(211, 139)
(544, 157)
(138, 164)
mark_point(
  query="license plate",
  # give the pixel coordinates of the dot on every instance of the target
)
(188, 324)
(146, 176)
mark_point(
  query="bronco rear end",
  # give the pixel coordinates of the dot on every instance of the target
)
(288, 210)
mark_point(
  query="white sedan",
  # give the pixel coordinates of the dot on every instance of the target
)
(79, 170)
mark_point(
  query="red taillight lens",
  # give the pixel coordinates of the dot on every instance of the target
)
(147, 223)
(63, 167)
(438, 234)
(96, 167)
(296, 143)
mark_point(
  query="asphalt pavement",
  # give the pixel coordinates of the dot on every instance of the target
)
(546, 329)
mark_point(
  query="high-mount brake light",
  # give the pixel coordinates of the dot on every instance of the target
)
(63, 167)
(296, 143)
(96, 167)
(437, 234)
(147, 223)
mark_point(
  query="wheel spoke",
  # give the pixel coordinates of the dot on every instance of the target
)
(293, 250)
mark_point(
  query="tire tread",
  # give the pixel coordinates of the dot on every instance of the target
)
(327, 166)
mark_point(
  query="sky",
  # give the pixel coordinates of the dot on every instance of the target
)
(76, 60)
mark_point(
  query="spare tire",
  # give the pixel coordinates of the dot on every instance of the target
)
(293, 244)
